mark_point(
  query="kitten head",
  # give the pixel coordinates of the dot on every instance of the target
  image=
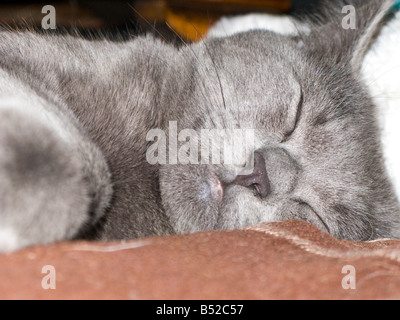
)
(316, 143)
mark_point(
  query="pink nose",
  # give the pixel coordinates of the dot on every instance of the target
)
(258, 179)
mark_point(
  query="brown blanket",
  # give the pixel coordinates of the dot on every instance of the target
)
(287, 260)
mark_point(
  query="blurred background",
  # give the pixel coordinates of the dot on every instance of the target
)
(169, 19)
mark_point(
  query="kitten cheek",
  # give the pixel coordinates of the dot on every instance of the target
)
(191, 197)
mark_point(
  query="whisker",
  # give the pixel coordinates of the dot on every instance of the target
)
(216, 73)
(152, 26)
(382, 74)
(200, 64)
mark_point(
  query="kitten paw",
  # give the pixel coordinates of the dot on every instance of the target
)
(51, 183)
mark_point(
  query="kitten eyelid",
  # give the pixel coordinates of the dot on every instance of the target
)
(297, 118)
(303, 203)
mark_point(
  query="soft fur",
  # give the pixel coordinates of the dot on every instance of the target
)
(75, 115)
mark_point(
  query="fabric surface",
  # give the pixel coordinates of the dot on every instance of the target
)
(286, 260)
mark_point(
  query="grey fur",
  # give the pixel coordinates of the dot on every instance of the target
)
(324, 161)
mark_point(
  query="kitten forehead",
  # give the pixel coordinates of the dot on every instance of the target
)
(250, 67)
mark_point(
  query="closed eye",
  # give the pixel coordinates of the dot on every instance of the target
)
(303, 203)
(288, 133)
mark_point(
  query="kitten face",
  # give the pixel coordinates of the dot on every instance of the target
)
(315, 136)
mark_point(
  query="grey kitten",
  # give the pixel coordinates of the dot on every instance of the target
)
(74, 116)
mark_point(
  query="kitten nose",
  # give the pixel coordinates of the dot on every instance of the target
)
(258, 179)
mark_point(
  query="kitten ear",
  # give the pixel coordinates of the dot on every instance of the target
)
(371, 17)
(346, 29)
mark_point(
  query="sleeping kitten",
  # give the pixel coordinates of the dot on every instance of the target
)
(380, 72)
(75, 117)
